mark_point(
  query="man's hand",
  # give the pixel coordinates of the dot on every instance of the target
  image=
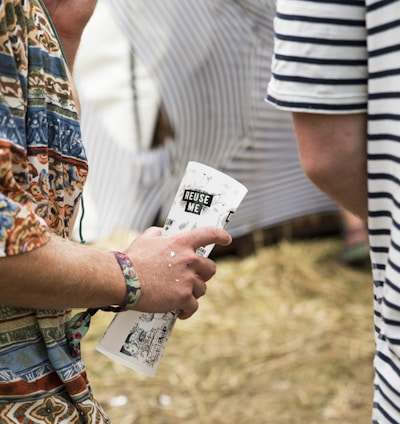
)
(171, 274)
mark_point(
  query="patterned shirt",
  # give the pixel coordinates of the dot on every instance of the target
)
(343, 57)
(43, 168)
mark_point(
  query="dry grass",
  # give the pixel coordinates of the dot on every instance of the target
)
(283, 336)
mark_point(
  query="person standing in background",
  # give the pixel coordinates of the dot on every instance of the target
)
(336, 68)
(172, 106)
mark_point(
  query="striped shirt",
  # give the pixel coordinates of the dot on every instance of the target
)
(343, 57)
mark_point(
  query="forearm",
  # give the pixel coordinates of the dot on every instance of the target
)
(333, 154)
(70, 18)
(70, 47)
(65, 274)
(61, 274)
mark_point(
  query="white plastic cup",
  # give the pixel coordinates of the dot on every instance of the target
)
(205, 197)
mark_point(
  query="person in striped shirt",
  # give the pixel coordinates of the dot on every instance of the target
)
(43, 168)
(336, 68)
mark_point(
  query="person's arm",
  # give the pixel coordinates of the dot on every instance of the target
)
(65, 274)
(333, 155)
(70, 18)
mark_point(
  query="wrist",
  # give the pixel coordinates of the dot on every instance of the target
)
(133, 290)
(78, 326)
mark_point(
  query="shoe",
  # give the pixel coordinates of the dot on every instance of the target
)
(355, 255)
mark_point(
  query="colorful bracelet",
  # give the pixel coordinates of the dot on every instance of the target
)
(133, 290)
(79, 324)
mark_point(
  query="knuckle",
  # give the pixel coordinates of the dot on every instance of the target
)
(189, 258)
(180, 239)
(209, 269)
(213, 268)
(187, 295)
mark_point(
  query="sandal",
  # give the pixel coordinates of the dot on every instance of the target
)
(355, 255)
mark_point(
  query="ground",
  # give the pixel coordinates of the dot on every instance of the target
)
(284, 336)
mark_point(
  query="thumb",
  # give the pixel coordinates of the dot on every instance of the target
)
(208, 235)
(152, 232)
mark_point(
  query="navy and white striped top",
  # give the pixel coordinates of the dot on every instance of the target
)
(343, 56)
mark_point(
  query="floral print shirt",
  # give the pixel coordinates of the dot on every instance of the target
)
(43, 169)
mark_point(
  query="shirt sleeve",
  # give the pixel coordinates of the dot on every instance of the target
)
(320, 58)
(22, 223)
(21, 228)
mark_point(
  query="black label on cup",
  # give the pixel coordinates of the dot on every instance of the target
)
(196, 201)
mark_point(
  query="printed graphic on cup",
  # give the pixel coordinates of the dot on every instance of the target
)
(137, 339)
(205, 197)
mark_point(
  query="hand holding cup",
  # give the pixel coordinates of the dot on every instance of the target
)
(178, 274)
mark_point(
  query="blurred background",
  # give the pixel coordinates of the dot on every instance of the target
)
(285, 333)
